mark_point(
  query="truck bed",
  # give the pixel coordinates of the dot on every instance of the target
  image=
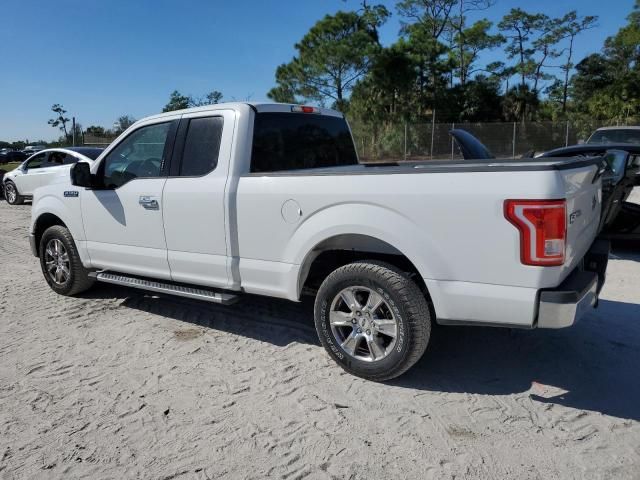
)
(445, 166)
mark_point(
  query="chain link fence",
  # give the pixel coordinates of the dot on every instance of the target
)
(393, 142)
(97, 141)
(427, 141)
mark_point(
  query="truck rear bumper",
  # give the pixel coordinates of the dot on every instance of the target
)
(563, 306)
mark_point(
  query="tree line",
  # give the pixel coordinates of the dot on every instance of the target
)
(62, 122)
(435, 67)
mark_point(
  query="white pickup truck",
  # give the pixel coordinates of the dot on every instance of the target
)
(270, 199)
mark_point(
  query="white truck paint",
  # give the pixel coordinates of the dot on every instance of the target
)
(260, 233)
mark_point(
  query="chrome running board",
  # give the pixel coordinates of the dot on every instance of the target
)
(167, 288)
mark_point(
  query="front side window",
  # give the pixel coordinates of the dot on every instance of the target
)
(294, 141)
(36, 161)
(201, 147)
(140, 155)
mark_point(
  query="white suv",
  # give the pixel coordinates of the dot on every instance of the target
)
(41, 168)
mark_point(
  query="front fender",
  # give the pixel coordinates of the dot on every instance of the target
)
(51, 200)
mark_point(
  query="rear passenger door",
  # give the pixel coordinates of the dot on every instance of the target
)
(193, 198)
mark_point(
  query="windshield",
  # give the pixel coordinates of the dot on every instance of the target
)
(616, 136)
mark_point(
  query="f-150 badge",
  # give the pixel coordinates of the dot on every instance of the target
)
(72, 193)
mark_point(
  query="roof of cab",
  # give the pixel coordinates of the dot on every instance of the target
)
(260, 107)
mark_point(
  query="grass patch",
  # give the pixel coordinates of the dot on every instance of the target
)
(7, 167)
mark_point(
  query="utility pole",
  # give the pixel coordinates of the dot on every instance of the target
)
(433, 130)
(453, 144)
(405, 140)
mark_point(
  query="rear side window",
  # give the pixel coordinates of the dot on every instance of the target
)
(294, 141)
(201, 147)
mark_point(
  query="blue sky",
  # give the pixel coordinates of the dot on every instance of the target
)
(103, 59)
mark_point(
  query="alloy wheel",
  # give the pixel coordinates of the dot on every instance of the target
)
(57, 262)
(363, 324)
(10, 192)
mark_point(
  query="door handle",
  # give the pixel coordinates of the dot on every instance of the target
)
(149, 203)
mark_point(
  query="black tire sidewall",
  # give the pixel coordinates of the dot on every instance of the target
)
(50, 234)
(325, 297)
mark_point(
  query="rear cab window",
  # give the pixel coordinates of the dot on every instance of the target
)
(296, 141)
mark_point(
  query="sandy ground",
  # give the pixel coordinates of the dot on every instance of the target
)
(120, 384)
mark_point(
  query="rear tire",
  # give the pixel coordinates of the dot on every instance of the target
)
(61, 264)
(11, 194)
(372, 319)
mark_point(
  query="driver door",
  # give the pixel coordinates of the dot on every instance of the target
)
(123, 219)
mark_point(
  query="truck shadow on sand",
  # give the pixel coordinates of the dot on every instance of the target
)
(591, 366)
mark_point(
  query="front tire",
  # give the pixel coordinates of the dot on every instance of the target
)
(61, 264)
(11, 194)
(372, 319)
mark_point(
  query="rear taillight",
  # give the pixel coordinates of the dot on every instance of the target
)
(543, 230)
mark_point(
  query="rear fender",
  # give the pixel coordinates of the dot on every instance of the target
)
(369, 220)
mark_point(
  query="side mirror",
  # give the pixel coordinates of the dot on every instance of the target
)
(81, 175)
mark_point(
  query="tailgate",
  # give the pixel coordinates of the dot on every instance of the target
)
(583, 190)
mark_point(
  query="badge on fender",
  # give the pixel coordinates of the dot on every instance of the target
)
(73, 193)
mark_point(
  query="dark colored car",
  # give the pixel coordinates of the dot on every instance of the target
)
(620, 219)
(31, 149)
(615, 135)
(9, 156)
(620, 171)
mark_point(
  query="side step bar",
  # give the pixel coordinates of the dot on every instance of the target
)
(197, 293)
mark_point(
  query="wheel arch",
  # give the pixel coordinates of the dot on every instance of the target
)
(378, 231)
(342, 249)
(42, 223)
